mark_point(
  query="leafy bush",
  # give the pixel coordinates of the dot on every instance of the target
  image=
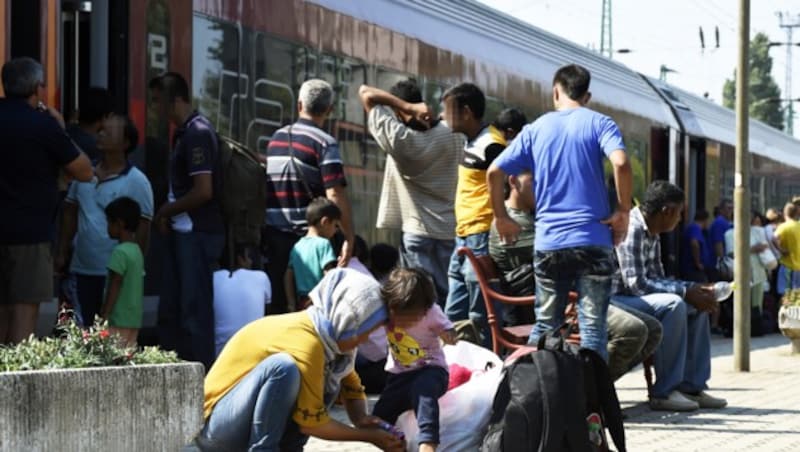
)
(77, 348)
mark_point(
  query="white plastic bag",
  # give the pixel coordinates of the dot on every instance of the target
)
(768, 259)
(463, 412)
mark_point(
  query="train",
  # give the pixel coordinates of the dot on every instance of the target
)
(245, 61)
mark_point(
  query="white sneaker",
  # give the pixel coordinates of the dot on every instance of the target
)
(707, 401)
(676, 401)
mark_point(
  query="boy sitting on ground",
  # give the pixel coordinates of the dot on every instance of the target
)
(125, 283)
(417, 369)
(311, 255)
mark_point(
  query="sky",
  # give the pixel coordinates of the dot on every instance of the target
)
(667, 32)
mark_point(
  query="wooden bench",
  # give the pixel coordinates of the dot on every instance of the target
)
(507, 339)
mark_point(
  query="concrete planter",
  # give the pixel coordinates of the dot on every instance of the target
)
(132, 408)
(789, 323)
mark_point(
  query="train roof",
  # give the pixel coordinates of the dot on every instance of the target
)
(701, 117)
(478, 31)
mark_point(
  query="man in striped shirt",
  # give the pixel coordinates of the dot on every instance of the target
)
(419, 183)
(303, 162)
(464, 107)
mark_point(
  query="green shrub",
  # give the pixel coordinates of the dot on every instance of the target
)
(76, 348)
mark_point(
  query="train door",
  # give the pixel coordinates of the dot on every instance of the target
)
(26, 40)
(27, 28)
(94, 49)
(696, 181)
(667, 158)
(659, 154)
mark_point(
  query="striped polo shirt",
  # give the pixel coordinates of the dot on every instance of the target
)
(473, 207)
(317, 156)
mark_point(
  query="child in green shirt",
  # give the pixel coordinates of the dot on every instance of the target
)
(125, 283)
(313, 254)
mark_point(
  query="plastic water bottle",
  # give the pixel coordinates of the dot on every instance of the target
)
(392, 429)
(723, 290)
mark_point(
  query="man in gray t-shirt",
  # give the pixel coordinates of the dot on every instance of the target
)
(419, 183)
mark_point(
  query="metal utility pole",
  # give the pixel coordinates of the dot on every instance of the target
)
(789, 22)
(606, 46)
(741, 219)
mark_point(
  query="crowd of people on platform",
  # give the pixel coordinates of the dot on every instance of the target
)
(343, 316)
(708, 256)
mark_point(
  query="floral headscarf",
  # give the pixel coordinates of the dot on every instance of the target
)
(345, 304)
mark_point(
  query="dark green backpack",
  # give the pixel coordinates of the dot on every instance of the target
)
(241, 192)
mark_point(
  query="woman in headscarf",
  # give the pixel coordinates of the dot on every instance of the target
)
(276, 378)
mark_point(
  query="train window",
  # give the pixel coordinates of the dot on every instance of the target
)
(493, 108)
(637, 155)
(386, 78)
(345, 75)
(640, 165)
(351, 74)
(531, 113)
(276, 69)
(217, 85)
(432, 95)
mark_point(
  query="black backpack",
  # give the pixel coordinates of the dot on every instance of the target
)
(241, 192)
(558, 398)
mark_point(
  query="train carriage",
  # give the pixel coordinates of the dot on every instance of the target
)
(245, 61)
(707, 157)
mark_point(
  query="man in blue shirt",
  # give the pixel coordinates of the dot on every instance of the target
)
(191, 219)
(84, 217)
(35, 148)
(716, 233)
(575, 230)
(697, 256)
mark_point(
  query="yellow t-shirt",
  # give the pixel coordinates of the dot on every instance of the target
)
(293, 334)
(473, 206)
(788, 235)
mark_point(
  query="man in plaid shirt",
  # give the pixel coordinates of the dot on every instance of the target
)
(683, 360)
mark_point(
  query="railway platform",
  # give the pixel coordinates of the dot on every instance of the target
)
(763, 412)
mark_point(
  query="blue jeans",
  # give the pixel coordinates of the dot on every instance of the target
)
(431, 255)
(464, 299)
(683, 360)
(418, 390)
(256, 413)
(186, 306)
(589, 270)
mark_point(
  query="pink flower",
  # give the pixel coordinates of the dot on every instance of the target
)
(104, 334)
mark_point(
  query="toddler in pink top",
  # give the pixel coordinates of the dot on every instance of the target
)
(417, 369)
